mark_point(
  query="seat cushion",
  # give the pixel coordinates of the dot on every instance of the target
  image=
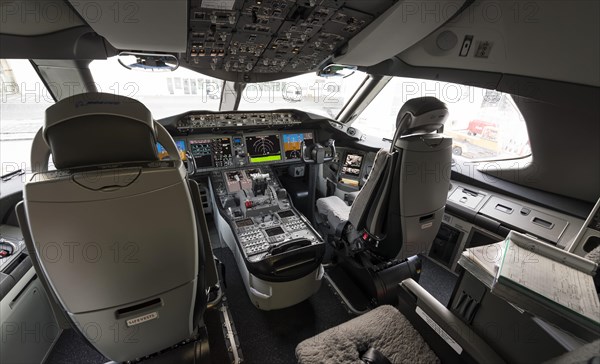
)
(335, 209)
(594, 255)
(350, 197)
(383, 328)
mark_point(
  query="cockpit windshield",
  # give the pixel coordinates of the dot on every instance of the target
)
(308, 92)
(164, 93)
(171, 93)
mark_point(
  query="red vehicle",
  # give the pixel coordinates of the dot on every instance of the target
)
(476, 126)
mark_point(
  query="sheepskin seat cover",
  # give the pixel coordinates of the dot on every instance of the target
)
(383, 328)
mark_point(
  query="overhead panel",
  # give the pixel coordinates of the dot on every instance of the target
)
(273, 36)
(31, 18)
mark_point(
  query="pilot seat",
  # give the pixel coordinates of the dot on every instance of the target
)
(399, 210)
(116, 235)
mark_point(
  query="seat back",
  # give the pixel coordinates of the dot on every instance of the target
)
(113, 228)
(401, 205)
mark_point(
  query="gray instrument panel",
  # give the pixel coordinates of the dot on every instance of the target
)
(209, 152)
(262, 216)
(509, 213)
(476, 217)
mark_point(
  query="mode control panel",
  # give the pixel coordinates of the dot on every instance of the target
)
(236, 120)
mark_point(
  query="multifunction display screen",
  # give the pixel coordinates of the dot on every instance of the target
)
(274, 231)
(352, 164)
(292, 144)
(284, 214)
(213, 152)
(162, 152)
(263, 148)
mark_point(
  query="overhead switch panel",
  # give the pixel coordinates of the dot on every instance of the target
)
(274, 36)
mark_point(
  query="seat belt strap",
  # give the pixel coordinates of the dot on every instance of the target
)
(363, 202)
(377, 216)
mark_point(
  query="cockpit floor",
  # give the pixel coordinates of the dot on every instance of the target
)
(270, 337)
(266, 337)
(437, 280)
(72, 347)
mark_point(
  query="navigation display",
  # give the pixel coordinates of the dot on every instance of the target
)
(162, 152)
(352, 164)
(263, 148)
(211, 152)
(293, 142)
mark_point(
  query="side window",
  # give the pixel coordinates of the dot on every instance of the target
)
(24, 101)
(484, 124)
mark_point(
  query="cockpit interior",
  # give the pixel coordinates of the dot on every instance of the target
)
(299, 181)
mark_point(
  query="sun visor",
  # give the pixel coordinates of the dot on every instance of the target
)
(401, 26)
(157, 25)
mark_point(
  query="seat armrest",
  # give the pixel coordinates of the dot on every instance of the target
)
(350, 197)
(425, 312)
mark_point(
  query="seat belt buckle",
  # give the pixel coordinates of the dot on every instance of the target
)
(368, 239)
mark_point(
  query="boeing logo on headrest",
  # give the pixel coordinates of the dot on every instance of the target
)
(95, 102)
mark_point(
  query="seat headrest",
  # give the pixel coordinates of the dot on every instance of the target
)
(422, 114)
(99, 128)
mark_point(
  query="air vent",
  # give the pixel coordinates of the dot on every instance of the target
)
(204, 197)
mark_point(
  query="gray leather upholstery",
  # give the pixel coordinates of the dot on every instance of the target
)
(119, 245)
(99, 128)
(374, 195)
(402, 203)
(423, 113)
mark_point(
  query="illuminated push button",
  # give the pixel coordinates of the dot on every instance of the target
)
(6, 248)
